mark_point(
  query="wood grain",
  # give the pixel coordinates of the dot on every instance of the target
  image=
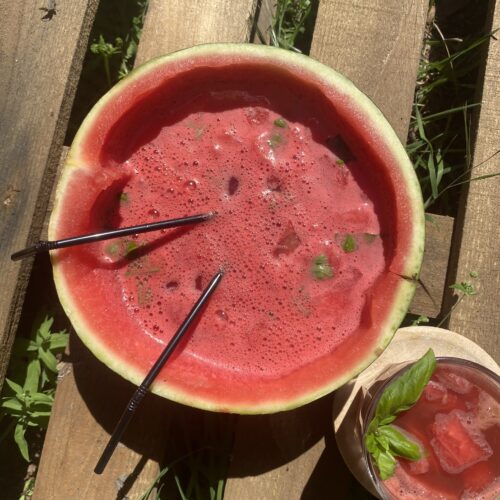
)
(477, 243)
(89, 401)
(377, 45)
(89, 398)
(40, 61)
(173, 25)
(428, 298)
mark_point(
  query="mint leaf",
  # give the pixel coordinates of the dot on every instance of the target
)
(279, 122)
(383, 441)
(275, 140)
(349, 244)
(321, 268)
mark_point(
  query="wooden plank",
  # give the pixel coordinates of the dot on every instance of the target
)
(90, 398)
(173, 25)
(89, 402)
(428, 298)
(377, 45)
(382, 64)
(478, 234)
(40, 61)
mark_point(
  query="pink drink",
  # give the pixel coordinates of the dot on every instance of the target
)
(457, 423)
(317, 228)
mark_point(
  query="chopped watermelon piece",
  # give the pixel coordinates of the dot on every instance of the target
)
(457, 441)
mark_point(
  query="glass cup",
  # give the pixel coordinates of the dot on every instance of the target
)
(469, 397)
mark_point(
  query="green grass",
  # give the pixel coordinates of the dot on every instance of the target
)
(28, 394)
(439, 138)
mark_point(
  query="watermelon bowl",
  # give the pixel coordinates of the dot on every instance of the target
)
(319, 227)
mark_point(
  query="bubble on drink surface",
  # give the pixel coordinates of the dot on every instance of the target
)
(457, 441)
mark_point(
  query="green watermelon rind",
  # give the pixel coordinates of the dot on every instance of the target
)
(375, 121)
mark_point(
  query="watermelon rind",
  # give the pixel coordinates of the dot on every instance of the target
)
(374, 121)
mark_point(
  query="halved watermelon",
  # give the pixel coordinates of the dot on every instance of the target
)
(320, 227)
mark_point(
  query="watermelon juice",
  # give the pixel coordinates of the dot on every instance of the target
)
(319, 227)
(456, 423)
(300, 229)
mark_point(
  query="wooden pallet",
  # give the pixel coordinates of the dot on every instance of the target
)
(376, 43)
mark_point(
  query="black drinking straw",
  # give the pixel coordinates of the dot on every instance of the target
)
(143, 388)
(44, 246)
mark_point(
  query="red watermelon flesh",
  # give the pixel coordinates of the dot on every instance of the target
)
(318, 223)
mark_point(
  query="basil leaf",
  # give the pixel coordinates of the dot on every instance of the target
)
(403, 392)
(399, 444)
(386, 464)
(383, 441)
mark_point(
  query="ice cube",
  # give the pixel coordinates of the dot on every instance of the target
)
(454, 382)
(347, 278)
(487, 412)
(436, 392)
(256, 115)
(457, 441)
(288, 242)
(419, 466)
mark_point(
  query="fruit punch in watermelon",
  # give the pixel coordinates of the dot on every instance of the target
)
(319, 227)
(456, 423)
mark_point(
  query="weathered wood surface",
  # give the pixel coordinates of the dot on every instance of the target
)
(175, 25)
(477, 243)
(89, 402)
(40, 61)
(288, 455)
(428, 298)
(83, 418)
(357, 39)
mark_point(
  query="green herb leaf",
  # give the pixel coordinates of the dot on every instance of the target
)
(465, 287)
(399, 444)
(33, 373)
(11, 404)
(123, 197)
(131, 246)
(420, 319)
(386, 464)
(383, 441)
(275, 140)
(279, 122)
(404, 391)
(321, 268)
(21, 441)
(15, 387)
(349, 244)
(340, 162)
